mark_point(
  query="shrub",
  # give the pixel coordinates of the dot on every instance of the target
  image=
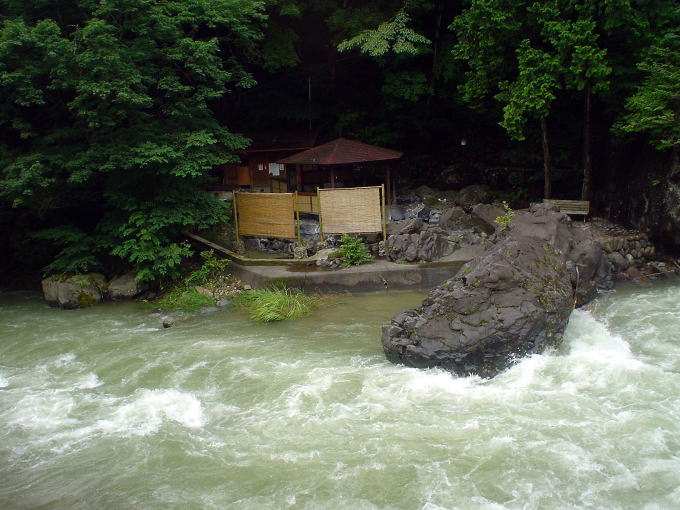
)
(268, 305)
(211, 267)
(506, 220)
(353, 250)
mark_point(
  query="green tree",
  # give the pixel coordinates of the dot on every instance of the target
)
(654, 107)
(394, 35)
(522, 54)
(107, 122)
(531, 94)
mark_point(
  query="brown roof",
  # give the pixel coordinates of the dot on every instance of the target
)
(341, 151)
(281, 140)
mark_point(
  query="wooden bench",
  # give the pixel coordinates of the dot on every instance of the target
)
(581, 207)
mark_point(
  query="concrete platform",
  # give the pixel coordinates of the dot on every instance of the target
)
(375, 275)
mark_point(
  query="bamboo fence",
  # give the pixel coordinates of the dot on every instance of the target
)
(266, 214)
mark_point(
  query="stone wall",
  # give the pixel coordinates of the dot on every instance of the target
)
(624, 247)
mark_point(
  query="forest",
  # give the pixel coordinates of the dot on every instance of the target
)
(114, 114)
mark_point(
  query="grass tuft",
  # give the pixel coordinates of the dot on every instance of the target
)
(183, 298)
(269, 305)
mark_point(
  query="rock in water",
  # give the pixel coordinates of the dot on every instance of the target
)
(513, 300)
(78, 291)
(126, 286)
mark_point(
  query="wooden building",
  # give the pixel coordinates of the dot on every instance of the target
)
(341, 163)
(259, 169)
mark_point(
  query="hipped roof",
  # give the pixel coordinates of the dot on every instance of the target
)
(341, 151)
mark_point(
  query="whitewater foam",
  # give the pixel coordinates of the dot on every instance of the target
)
(150, 408)
(44, 411)
(88, 382)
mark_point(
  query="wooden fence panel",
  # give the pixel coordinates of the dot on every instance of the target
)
(350, 210)
(266, 214)
(308, 203)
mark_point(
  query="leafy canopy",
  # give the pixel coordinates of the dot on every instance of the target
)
(107, 122)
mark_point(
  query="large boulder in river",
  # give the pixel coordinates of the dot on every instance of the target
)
(78, 291)
(513, 300)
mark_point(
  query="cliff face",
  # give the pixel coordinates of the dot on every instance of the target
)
(640, 188)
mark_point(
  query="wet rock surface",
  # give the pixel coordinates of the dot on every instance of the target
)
(513, 300)
(79, 291)
(484, 216)
(414, 239)
(126, 286)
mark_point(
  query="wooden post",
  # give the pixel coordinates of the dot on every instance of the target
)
(394, 185)
(318, 196)
(388, 185)
(547, 191)
(236, 216)
(384, 221)
(298, 177)
(332, 177)
(297, 217)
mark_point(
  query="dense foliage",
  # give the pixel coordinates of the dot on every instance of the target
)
(211, 268)
(115, 113)
(107, 128)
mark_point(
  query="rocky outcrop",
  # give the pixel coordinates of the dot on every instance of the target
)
(126, 286)
(413, 226)
(455, 218)
(513, 300)
(471, 195)
(426, 246)
(77, 291)
(485, 216)
(414, 240)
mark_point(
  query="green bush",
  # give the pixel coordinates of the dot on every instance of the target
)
(268, 305)
(211, 267)
(506, 220)
(353, 250)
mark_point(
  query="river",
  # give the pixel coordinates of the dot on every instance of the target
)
(104, 409)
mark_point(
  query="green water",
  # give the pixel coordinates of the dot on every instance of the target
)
(104, 409)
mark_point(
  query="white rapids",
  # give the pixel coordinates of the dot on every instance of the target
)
(102, 408)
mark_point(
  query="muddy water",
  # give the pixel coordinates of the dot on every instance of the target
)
(102, 408)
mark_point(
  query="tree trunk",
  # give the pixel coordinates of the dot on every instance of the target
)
(547, 191)
(435, 48)
(586, 190)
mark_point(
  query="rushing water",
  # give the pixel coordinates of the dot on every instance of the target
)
(104, 409)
